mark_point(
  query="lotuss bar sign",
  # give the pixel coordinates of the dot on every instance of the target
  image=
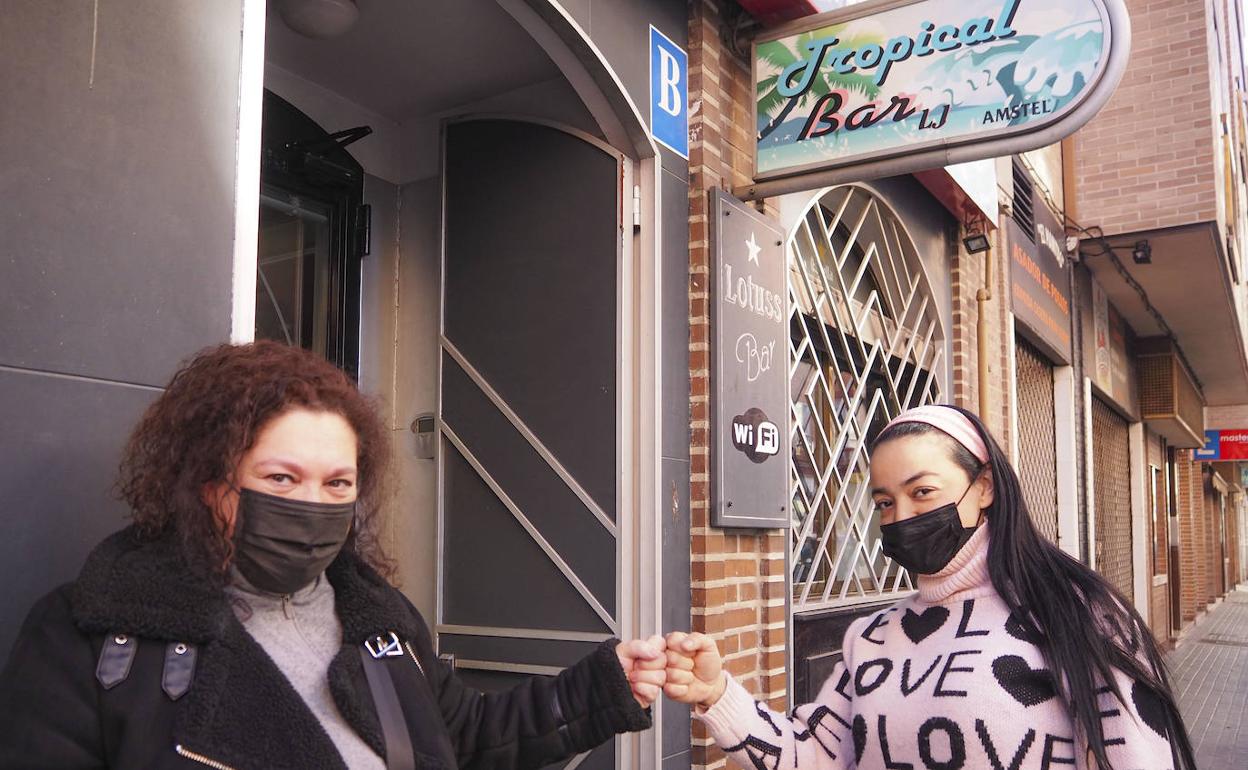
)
(944, 81)
(748, 293)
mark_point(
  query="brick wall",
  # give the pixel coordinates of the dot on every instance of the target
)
(1147, 160)
(967, 277)
(738, 578)
(1226, 416)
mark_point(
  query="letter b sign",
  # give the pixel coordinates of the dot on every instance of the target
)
(669, 94)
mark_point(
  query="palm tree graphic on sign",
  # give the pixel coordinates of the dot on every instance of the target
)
(776, 106)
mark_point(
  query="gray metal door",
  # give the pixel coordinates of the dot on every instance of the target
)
(1037, 432)
(528, 467)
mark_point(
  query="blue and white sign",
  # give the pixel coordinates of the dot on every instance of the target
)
(669, 94)
(1212, 449)
(1224, 445)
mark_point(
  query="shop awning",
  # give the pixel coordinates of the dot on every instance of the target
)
(1189, 283)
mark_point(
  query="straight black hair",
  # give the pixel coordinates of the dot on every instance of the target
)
(1082, 625)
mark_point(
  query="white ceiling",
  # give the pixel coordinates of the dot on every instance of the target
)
(406, 59)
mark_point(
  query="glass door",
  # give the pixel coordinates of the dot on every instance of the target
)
(292, 274)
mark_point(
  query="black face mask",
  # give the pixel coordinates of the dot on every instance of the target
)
(281, 545)
(926, 543)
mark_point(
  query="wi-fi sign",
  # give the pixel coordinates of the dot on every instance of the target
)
(755, 435)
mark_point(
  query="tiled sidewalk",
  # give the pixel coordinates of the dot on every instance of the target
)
(1209, 671)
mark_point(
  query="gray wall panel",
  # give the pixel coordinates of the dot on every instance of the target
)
(377, 292)
(676, 596)
(118, 176)
(62, 441)
(674, 311)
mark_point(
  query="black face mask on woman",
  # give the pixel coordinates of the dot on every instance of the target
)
(926, 543)
(281, 545)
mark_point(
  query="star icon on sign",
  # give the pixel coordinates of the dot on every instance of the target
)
(754, 248)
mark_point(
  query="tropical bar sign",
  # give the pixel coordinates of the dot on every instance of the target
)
(896, 86)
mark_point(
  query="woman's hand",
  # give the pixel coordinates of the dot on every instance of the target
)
(695, 671)
(645, 666)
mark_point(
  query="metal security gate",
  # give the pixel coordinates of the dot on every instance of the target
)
(529, 460)
(1111, 471)
(1037, 437)
(866, 343)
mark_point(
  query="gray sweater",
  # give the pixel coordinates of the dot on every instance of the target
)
(301, 633)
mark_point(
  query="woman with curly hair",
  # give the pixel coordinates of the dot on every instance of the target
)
(244, 618)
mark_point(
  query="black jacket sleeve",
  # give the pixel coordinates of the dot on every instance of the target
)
(48, 695)
(538, 722)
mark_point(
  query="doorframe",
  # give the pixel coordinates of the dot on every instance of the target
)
(1142, 571)
(1173, 541)
(247, 173)
(638, 413)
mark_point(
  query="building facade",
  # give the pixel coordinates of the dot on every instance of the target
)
(482, 228)
(1103, 369)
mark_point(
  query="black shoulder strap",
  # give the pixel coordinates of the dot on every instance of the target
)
(399, 752)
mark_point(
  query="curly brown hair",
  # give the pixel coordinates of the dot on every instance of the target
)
(211, 413)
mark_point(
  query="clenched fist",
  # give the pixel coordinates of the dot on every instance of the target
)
(645, 667)
(695, 671)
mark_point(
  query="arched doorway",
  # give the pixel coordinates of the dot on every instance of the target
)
(477, 288)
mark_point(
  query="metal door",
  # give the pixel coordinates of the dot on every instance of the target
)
(528, 465)
(1037, 436)
(1112, 494)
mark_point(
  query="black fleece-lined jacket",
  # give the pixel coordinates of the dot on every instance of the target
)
(239, 711)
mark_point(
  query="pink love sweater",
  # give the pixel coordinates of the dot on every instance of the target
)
(945, 679)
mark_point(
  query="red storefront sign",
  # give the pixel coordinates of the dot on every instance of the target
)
(1224, 445)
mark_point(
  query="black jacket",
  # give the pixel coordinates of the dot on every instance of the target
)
(239, 711)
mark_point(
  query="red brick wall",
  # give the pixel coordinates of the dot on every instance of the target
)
(1147, 160)
(967, 277)
(738, 578)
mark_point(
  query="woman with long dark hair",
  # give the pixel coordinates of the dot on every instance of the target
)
(1012, 654)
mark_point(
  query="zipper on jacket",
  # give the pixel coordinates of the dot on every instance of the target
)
(414, 659)
(200, 758)
(285, 605)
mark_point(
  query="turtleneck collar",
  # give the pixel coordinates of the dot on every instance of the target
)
(260, 600)
(964, 577)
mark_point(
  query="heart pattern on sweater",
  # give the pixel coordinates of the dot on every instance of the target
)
(920, 626)
(1150, 708)
(1029, 686)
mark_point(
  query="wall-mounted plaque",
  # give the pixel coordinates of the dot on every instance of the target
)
(749, 368)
